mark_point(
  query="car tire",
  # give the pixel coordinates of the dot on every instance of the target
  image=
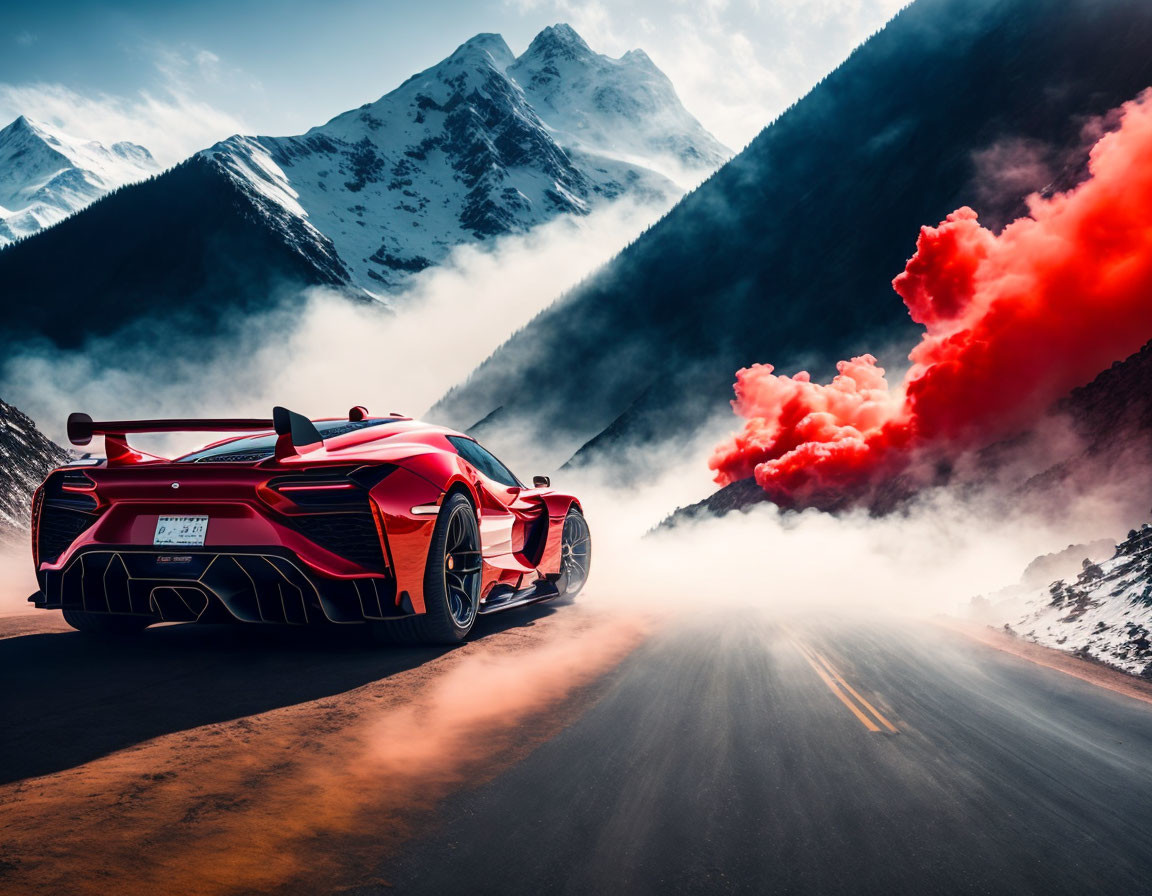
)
(108, 625)
(452, 580)
(575, 555)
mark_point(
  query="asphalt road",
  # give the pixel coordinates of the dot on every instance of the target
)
(732, 754)
(747, 756)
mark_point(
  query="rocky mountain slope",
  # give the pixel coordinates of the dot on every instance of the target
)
(457, 154)
(47, 175)
(1111, 421)
(480, 145)
(1104, 612)
(787, 253)
(26, 456)
(176, 253)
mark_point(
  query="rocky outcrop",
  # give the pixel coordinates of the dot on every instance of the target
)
(1103, 613)
(26, 456)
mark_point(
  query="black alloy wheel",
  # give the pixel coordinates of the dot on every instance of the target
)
(575, 554)
(462, 566)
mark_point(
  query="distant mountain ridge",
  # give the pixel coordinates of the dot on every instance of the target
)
(480, 145)
(455, 155)
(46, 175)
(786, 254)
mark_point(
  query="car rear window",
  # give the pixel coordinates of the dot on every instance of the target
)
(250, 449)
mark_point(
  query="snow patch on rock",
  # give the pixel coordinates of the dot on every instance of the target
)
(26, 457)
(1102, 612)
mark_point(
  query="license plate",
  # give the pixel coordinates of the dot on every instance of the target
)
(183, 530)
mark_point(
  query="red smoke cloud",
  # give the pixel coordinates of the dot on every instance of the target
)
(1012, 322)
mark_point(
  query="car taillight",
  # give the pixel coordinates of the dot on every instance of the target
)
(304, 487)
(327, 497)
(37, 508)
(332, 489)
(74, 489)
(67, 504)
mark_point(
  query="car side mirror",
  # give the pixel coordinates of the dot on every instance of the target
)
(541, 482)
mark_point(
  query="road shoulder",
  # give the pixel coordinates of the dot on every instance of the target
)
(1087, 670)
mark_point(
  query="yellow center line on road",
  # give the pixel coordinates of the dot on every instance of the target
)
(840, 680)
(834, 688)
(840, 687)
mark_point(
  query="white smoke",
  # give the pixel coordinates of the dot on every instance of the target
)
(327, 354)
(320, 356)
(934, 556)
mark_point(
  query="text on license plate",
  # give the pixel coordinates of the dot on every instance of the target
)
(186, 530)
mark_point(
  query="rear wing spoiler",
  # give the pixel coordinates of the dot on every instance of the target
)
(296, 432)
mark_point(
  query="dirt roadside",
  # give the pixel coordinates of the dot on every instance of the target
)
(34, 622)
(1070, 664)
(304, 798)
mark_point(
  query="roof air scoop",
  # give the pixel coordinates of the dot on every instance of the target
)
(357, 414)
(294, 430)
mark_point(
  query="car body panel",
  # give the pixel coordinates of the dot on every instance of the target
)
(350, 518)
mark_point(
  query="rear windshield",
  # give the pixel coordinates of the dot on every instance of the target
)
(250, 449)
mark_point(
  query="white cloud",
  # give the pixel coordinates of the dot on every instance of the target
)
(206, 59)
(171, 125)
(169, 118)
(343, 353)
(185, 68)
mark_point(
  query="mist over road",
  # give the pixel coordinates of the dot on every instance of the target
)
(731, 753)
(746, 756)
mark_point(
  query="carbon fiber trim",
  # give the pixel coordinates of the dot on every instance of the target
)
(174, 585)
(352, 535)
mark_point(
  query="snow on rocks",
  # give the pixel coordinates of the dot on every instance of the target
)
(26, 456)
(1104, 612)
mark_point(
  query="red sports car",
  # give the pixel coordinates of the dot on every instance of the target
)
(413, 528)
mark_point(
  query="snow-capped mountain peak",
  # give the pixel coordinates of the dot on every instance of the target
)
(466, 151)
(46, 174)
(492, 44)
(623, 108)
(638, 56)
(559, 41)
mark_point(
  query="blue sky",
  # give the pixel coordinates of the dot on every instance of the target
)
(177, 76)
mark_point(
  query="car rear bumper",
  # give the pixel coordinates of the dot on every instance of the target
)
(245, 584)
